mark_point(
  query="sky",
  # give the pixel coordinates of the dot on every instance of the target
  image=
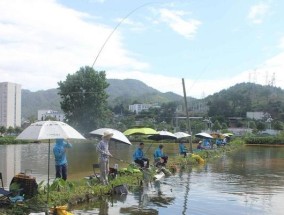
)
(211, 45)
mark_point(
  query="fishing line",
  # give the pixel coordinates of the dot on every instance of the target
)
(121, 21)
(120, 160)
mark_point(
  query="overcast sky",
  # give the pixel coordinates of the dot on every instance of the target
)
(211, 44)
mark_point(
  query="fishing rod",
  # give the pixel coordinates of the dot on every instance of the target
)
(120, 160)
(121, 21)
(148, 148)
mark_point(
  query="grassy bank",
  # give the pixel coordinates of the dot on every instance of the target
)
(269, 140)
(11, 140)
(84, 191)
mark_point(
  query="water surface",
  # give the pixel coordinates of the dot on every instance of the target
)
(249, 181)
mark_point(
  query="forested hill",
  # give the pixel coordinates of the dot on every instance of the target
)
(120, 92)
(234, 101)
(241, 98)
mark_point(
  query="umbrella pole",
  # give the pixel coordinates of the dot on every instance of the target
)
(48, 164)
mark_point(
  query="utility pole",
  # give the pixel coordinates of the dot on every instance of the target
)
(187, 116)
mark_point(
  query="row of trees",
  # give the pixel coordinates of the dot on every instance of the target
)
(84, 102)
(10, 130)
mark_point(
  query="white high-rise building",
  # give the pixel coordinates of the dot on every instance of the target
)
(10, 104)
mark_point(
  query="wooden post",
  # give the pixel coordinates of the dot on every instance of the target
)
(187, 117)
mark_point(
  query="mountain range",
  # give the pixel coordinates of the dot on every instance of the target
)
(125, 92)
(234, 101)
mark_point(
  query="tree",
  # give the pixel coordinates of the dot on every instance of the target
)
(10, 130)
(3, 129)
(278, 125)
(216, 126)
(260, 126)
(18, 130)
(84, 99)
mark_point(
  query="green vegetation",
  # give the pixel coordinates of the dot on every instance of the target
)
(11, 140)
(89, 190)
(269, 140)
(84, 100)
(247, 97)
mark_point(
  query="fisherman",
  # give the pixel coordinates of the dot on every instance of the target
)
(182, 149)
(160, 158)
(104, 155)
(138, 156)
(59, 151)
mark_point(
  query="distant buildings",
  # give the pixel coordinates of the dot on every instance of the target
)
(10, 104)
(42, 115)
(137, 108)
(255, 115)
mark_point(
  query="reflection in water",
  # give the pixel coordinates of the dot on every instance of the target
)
(10, 164)
(134, 210)
(250, 181)
(103, 208)
(187, 188)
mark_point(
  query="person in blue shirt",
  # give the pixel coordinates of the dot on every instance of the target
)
(207, 143)
(182, 149)
(59, 151)
(219, 142)
(159, 157)
(138, 156)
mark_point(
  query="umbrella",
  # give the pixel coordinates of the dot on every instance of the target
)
(117, 135)
(140, 131)
(217, 135)
(47, 130)
(180, 135)
(203, 135)
(228, 134)
(163, 135)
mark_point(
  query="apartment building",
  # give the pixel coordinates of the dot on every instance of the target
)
(44, 114)
(10, 104)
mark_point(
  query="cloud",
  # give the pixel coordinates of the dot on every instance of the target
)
(258, 12)
(132, 25)
(42, 41)
(282, 43)
(269, 72)
(175, 19)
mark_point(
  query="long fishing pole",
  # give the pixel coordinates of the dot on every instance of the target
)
(120, 160)
(148, 148)
(121, 21)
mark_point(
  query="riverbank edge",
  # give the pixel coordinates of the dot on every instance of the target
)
(83, 191)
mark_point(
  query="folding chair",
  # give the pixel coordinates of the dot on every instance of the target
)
(4, 194)
(96, 166)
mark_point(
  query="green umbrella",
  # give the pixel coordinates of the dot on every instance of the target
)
(140, 131)
(228, 134)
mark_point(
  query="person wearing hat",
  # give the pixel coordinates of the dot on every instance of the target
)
(104, 154)
(59, 151)
(199, 145)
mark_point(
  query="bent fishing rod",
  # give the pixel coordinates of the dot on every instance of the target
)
(123, 161)
(121, 21)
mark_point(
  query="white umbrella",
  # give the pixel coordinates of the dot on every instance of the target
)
(49, 130)
(163, 135)
(180, 135)
(203, 135)
(117, 135)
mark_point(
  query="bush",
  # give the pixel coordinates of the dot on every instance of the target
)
(11, 140)
(265, 140)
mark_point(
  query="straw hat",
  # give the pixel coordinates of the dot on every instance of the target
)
(108, 134)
